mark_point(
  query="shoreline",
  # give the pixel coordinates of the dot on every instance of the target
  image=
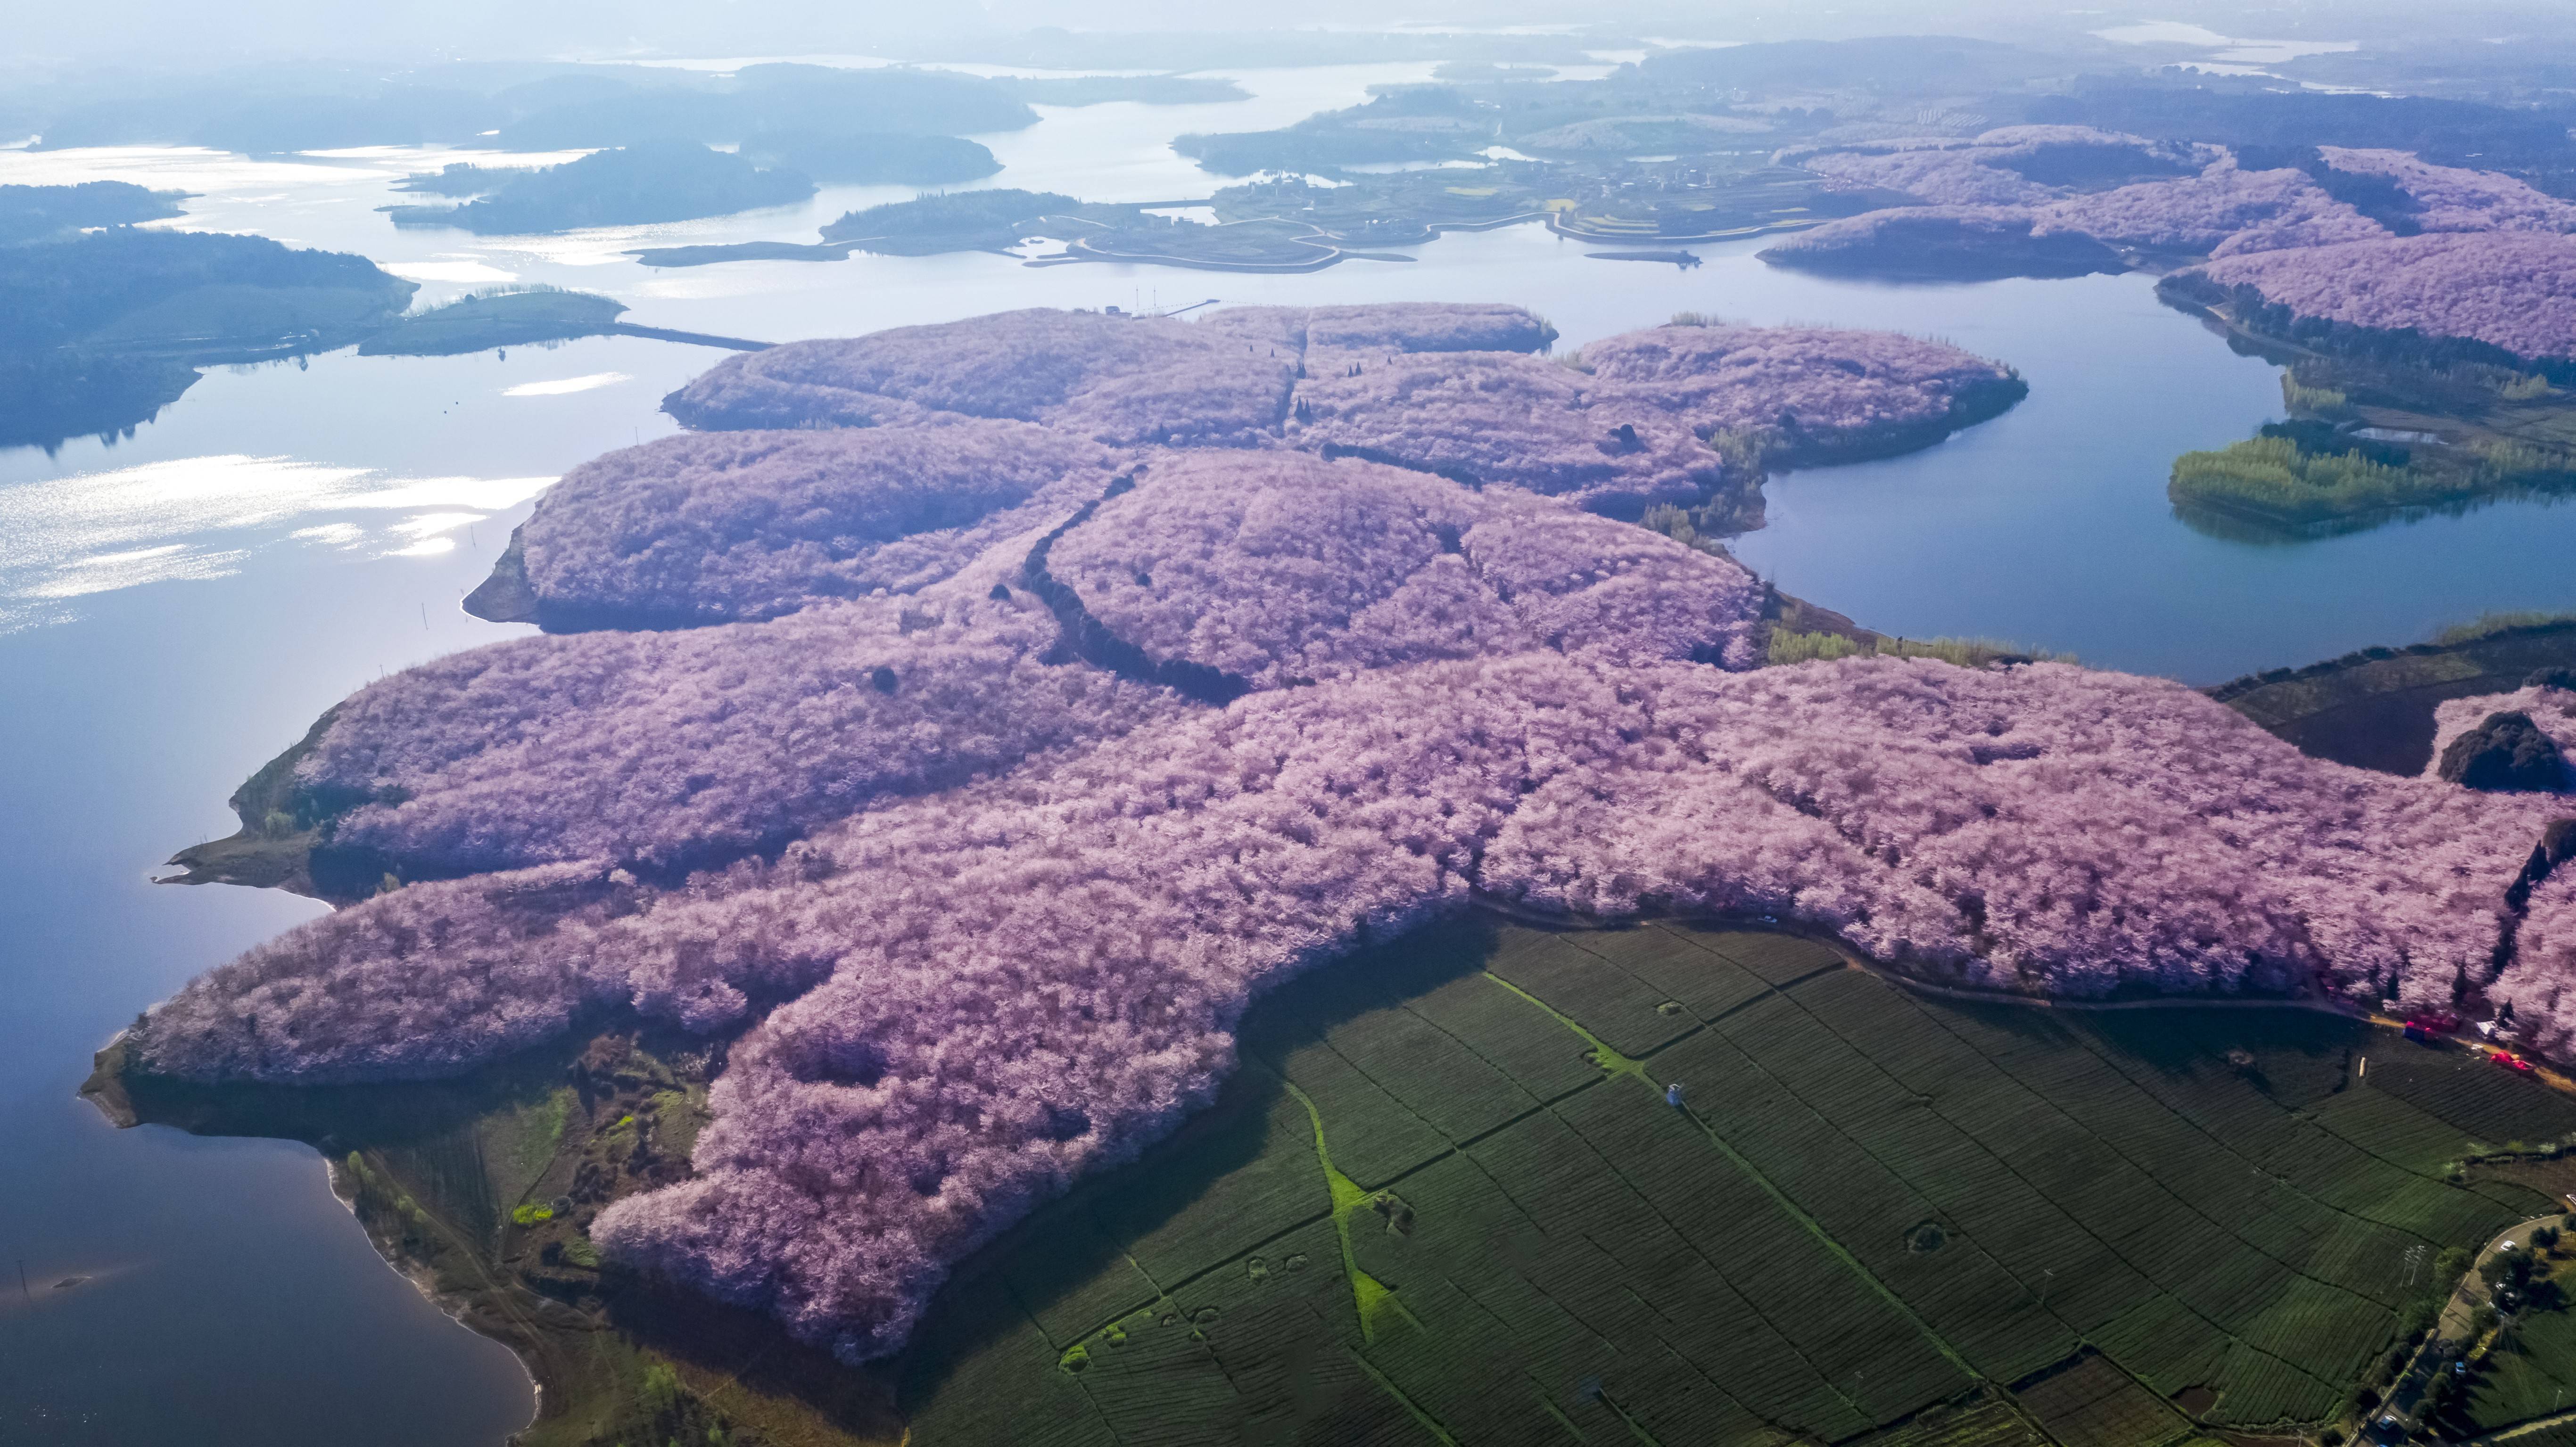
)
(455, 1308)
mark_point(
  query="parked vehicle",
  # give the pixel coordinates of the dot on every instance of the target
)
(2511, 1061)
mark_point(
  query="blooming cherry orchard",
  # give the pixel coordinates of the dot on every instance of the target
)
(976, 871)
(992, 989)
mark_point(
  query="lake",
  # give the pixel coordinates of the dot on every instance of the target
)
(176, 607)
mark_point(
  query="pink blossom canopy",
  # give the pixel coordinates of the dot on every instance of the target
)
(1441, 388)
(2514, 290)
(983, 870)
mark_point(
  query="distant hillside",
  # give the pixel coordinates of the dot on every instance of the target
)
(868, 158)
(186, 290)
(30, 213)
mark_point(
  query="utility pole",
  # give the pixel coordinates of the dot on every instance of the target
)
(22, 1280)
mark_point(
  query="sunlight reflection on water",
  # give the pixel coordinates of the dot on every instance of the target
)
(200, 517)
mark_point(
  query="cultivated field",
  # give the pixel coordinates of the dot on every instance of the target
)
(1445, 1200)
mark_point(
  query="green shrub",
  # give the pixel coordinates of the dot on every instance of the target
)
(1672, 522)
(661, 1389)
(2319, 401)
(1790, 646)
(532, 1214)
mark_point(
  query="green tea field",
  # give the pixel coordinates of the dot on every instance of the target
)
(1445, 1200)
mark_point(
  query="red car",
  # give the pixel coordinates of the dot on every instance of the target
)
(2511, 1061)
(2442, 1024)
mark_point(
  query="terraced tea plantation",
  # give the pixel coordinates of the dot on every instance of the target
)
(1449, 1199)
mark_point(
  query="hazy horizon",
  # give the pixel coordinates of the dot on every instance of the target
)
(168, 32)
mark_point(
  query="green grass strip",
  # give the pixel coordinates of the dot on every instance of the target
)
(1614, 1063)
(1374, 1299)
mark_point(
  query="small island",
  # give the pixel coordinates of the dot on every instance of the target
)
(627, 186)
(463, 179)
(507, 317)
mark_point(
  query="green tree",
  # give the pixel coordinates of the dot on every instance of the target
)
(661, 1389)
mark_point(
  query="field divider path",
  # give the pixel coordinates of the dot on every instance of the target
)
(2096, 1236)
(1899, 1176)
(2068, 1116)
(1387, 1385)
(1549, 1106)
(2093, 1046)
(1787, 990)
(1614, 1063)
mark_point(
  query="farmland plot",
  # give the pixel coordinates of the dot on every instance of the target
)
(1447, 1199)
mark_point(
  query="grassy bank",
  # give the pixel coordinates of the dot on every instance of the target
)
(2373, 708)
(2381, 427)
(1789, 645)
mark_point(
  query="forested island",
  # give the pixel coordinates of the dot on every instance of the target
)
(1312, 654)
(101, 329)
(626, 186)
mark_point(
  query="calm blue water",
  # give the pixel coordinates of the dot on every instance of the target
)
(176, 608)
